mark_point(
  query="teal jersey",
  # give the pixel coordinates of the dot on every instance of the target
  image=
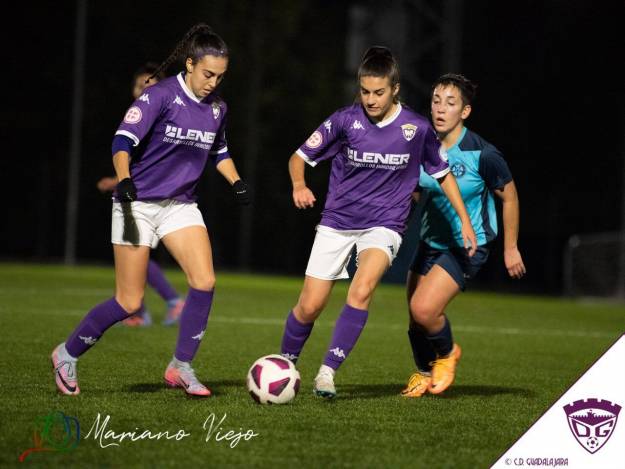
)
(479, 169)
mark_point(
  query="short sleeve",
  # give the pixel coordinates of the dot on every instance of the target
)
(325, 142)
(219, 150)
(142, 114)
(434, 156)
(493, 168)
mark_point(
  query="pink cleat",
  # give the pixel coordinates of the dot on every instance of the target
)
(173, 314)
(183, 376)
(64, 367)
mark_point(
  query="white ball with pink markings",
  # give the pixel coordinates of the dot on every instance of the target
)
(273, 379)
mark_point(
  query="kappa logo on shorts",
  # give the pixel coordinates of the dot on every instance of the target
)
(145, 98)
(133, 115)
(179, 101)
(409, 131)
(314, 140)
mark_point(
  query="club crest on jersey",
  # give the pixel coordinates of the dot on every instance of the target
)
(133, 115)
(458, 170)
(216, 110)
(314, 140)
(409, 131)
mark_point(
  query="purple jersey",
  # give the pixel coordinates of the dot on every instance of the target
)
(375, 167)
(182, 131)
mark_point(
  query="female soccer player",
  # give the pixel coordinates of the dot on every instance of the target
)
(441, 267)
(143, 78)
(183, 121)
(377, 146)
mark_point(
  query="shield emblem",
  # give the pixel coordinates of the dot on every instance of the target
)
(592, 422)
(409, 131)
(216, 111)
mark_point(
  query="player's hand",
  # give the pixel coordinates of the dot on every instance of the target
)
(468, 236)
(241, 192)
(303, 197)
(107, 184)
(514, 262)
(126, 190)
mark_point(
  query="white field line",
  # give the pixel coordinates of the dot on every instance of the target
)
(459, 328)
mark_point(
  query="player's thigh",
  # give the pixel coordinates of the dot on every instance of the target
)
(372, 263)
(131, 263)
(313, 298)
(433, 292)
(191, 248)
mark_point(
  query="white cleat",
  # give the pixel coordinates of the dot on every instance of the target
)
(65, 374)
(324, 383)
(181, 375)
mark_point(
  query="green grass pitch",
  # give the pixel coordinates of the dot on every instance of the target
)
(520, 354)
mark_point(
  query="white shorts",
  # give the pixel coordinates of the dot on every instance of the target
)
(155, 220)
(332, 249)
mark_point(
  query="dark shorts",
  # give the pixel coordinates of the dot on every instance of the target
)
(455, 261)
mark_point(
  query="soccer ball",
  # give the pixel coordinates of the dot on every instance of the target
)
(273, 379)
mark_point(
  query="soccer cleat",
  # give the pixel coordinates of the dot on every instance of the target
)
(173, 313)
(444, 370)
(64, 368)
(143, 319)
(183, 376)
(418, 384)
(324, 383)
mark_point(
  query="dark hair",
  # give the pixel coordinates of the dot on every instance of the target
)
(378, 61)
(199, 41)
(150, 68)
(467, 88)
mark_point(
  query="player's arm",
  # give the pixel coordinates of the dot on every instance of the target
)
(450, 188)
(302, 195)
(510, 215)
(229, 171)
(107, 184)
(126, 190)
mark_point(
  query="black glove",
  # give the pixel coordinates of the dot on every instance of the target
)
(241, 192)
(126, 190)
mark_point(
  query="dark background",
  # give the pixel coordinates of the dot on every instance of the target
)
(550, 97)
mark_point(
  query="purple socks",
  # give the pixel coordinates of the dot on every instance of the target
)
(93, 325)
(157, 280)
(348, 327)
(193, 323)
(294, 337)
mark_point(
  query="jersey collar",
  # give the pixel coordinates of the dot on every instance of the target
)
(186, 89)
(391, 119)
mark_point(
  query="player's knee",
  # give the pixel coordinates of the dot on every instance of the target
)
(130, 303)
(360, 295)
(308, 310)
(204, 282)
(423, 313)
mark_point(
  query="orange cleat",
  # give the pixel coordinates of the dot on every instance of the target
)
(418, 384)
(444, 370)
